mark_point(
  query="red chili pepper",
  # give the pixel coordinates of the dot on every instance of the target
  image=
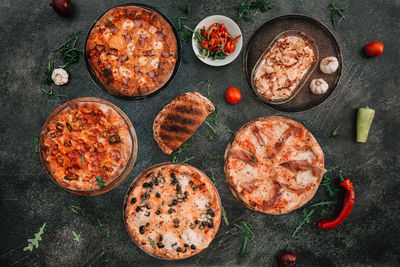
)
(205, 44)
(237, 37)
(217, 43)
(348, 204)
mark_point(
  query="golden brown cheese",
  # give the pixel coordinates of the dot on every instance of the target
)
(172, 211)
(274, 165)
(132, 51)
(84, 141)
(283, 67)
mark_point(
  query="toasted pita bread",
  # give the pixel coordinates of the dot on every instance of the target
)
(178, 120)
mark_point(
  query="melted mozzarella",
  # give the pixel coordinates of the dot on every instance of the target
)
(153, 29)
(142, 61)
(154, 63)
(158, 45)
(128, 24)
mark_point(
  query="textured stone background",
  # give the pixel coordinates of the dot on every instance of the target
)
(369, 237)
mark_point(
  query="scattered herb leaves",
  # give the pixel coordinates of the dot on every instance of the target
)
(75, 209)
(185, 33)
(258, 6)
(47, 76)
(108, 233)
(183, 148)
(337, 14)
(304, 123)
(106, 259)
(246, 229)
(152, 243)
(335, 132)
(50, 93)
(100, 182)
(224, 216)
(161, 6)
(230, 131)
(253, 155)
(108, 24)
(34, 243)
(100, 223)
(82, 159)
(36, 143)
(68, 50)
(211, 157)
(76, 236)
(213, 178)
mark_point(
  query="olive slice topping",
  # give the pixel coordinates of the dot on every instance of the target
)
(114, 139)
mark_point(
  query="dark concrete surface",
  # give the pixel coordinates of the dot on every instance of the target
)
(369, 237)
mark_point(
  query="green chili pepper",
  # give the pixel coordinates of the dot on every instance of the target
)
(364, 121)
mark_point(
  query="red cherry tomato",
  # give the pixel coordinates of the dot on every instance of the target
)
(229, 47)
(233, 95)
(374, 49)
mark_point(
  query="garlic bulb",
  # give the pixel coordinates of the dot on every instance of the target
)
(319, 86)
(59, 76)
(329, 65)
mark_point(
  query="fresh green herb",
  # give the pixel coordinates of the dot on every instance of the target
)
(211, 157)
(50, 92)
(185, 33)
(187, 10)
(100, 182)
(309, 211)
(213, 178)
(76, 236)
(108, 233)
(161, 6)
(36, 143)
(304, 123)
(82, 159)
(334, 168)
(109, 24)
(75, 209)
(100, 223)
(224, 216)
(35, 241)
(335, 132)
(68, 50)
(230, 131)
(47, 76)
(179, 151)
(246, 229)
(109, 259)
(258, 6)
(337, 13)
(326, 182)
(253, 155)
(152, 243)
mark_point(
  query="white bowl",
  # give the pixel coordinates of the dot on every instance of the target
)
(233, 30)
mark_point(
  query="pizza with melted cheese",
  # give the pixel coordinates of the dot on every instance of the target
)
(87, 145)
(172, 211)
(132, 51)
(273, 165)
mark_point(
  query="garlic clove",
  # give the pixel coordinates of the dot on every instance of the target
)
(329, 65)
(59, 76)
(319, 86)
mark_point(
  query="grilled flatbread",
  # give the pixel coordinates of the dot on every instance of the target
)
(178, 120)
(273, 165)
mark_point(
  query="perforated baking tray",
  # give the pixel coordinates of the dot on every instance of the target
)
(327, 46)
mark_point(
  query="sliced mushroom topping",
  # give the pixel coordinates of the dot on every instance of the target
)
(149, 53)
(138, 22)
(165, 54)
(160, 36)
(113, 51)
(100, 47)
(123, 57)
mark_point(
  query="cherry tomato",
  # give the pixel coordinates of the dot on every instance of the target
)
(287, 259)
(374, 49)
(233, 95)
(229, 47)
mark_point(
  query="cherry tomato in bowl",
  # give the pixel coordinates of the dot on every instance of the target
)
(233, 95)
(374, 49)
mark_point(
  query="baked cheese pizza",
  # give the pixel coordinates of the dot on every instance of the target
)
(132, 51)
(86, 145)
(172, 211)
(273, 165)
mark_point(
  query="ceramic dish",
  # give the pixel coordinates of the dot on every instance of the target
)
(135, 81)
(172, 211)
(305, 76)
(88, 146)
(233, 30)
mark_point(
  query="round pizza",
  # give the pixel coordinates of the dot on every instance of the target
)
(273, 165)
(132, 51)
(87, 144)
(172, 211)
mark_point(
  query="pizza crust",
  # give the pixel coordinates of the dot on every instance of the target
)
(273, 165)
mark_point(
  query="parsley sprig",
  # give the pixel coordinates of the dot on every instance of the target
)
(246, 229)
(258, 6)
(34, 243)
(337, 14)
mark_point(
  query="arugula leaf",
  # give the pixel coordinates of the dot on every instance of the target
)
(76, 236)
(253, 155)
(36, 143)
(187, 10)
(230, 131)
(152, 243)
(100, 223)
(259, 6)
(82, 159)
(335, 132)
(35, 241)
(47, 76)
(76, 209)
(334, 168)
(100, 182)
(179, 151)
(108, 233)
(224, 216)
(213, 178)
(68, 50)
(185, 33)
(246, 229)
(109, 259)
(211, 157)
(304, 123)
(337, 13)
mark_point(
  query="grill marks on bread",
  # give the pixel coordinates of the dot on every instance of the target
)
(178, 120)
